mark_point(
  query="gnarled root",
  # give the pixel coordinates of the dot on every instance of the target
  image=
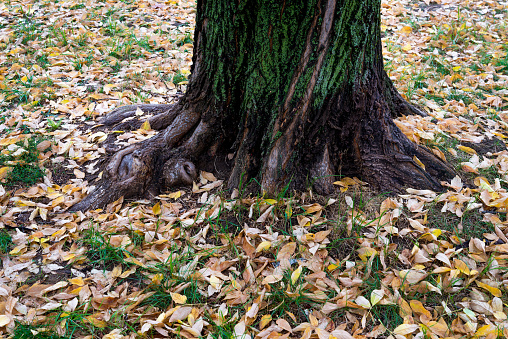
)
(178, 171)
(394, 171)
(123, 118)
(146, 166)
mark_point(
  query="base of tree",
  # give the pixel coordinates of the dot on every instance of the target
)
(289, 93)
(370, 147)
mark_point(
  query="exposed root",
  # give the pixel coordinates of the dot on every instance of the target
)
(121, 113)
(397, 171)
(147, 166)
(178, 172)
(398, 105)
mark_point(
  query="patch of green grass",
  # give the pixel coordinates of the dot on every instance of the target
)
(15, 95)
(24, 331)
(415, 84)
(503, 63)
(59, 35)
(288, 297)
(53, 125)
(81, 40)
(455, 95)
(470, 225)
(187, 39)
(112, 28)
(439, 100)
(42, 60)
(162, 298)
(388, 315)
(178, 77)
(485, 58)
(224, 330)
(174, 274)
(25, 168)
(99, 250)
(77, 6)
(6, 243)
(26, 174)
(27, 30)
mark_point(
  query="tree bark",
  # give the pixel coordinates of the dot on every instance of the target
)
(293, 92)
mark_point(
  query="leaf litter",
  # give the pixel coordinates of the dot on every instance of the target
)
(200, 263)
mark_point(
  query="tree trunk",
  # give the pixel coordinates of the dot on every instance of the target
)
(290, 92)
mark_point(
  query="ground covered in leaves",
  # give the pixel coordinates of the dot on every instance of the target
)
(207, 263)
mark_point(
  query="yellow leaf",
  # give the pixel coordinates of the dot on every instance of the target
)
(406, 48)
(107, 88)
(376, 296)
(418, 162)
(500, 316)
(92, 319)
(125, 274)
(18, 250)
(405, 329)
(175, 195)
(332, 267)
(156, 209)
(366, 252)
(417, 307)
(178, 298)
(456, 68)
(146, 125)
(117, 271)
(486, 330)
(406, 30)
(468, 150)
(58, 201)
(157, 279)
(263, 246)
(77, 281)
(271, 201)
(296, 274)
(461, 266)
(288, 211)
(496, 292)
(4, 320)
(265, 320)
(215, 282)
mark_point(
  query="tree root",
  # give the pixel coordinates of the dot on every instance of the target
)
(123, 118)
(118, 114)
(417, 168)
(398, 105)
(146, 167)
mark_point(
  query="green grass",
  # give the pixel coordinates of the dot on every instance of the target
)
(100, 252)
(54, 125)
(25, 168)
(280, 301)
(6, 243)
(24, 331)
(179, 77)
(471, 222)
(71, 325)
(503, 63)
